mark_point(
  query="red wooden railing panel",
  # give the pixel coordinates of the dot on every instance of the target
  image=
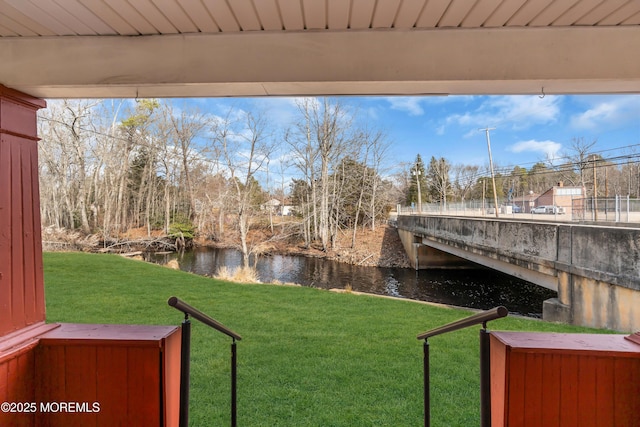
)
(51, 372)
(565, 380)
(17, 387)
(6, 279)
(122, 368)
(31, 257)
(171, 377)
(550, 398)
(626, 387)
(568, 372)
(144, 376)
(588, 385)
(516, 387)
(111, 374)
(18, 194)
(605, 409)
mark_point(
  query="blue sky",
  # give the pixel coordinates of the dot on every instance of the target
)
(528, 129)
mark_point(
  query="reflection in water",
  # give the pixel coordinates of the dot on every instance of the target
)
(475, 288)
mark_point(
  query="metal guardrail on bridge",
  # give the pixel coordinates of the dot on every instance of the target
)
(618, 209)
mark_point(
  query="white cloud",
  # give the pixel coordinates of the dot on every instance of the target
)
(415, 105)
(608, 112)
(410, 104)
(514, 112)
(549, 148)
(372, 113)
(523, 111)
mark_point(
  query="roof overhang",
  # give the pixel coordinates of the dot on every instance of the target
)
(319, 47)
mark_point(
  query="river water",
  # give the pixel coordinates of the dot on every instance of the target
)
(474, 288)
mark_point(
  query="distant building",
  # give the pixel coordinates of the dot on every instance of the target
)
(287, 210)
(276, 207)
(524, 203)
(560, 195)
(272, 206)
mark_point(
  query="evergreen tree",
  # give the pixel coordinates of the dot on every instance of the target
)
(539, 177)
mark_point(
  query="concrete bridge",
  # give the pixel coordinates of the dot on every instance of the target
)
(594, 269)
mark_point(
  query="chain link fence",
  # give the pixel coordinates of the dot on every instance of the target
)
(608, 209)
(618, 209)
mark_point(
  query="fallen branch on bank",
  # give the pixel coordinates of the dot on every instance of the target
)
(366, 258)
(159, 244)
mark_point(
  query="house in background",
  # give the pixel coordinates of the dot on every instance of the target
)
(558, 195)
(272, 206)
(275, 206)
(562, 196)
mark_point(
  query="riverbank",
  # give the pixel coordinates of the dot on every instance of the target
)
(378, 248)
(374, 248)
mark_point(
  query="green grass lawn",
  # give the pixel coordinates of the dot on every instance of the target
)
(308, 357)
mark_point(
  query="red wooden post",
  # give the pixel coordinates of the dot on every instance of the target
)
(21, 280)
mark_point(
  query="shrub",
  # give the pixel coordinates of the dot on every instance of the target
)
(183, 233)
(239, 274)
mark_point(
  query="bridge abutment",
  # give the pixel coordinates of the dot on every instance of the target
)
(560, 309)
(594, 303)
(594, 269)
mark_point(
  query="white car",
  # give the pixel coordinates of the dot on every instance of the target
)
(555, 210)
(548, 210)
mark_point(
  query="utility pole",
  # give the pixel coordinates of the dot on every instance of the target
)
(417, 173)
(493, 178)
(595, 190)
(629, 179)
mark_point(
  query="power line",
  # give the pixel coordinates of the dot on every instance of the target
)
(504, 172)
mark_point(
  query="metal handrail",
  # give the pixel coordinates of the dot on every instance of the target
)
(484, 317)
(186, 355)
(485, 356)
(197, 314)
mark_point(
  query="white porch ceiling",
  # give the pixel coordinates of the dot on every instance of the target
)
(159, 48)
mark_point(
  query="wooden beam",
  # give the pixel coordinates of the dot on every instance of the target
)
(440, 61)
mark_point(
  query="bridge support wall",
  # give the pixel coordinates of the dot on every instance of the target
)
(588, 302)
(424, 257)
(595, 270)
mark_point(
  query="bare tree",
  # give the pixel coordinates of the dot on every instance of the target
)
(66, 150)
(464, 178)
(245, 148)
(372, 150)
(186, 128)
(305, 155)
(134, 138)
(379, 151)
(578, 158)
(439, 182)
(320, 138)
